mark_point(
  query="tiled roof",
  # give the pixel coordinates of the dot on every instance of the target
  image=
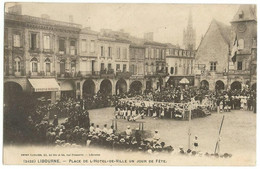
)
(225, 30)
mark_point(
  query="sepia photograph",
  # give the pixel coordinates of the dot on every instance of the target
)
(129, 84)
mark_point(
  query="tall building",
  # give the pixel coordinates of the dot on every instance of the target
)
(212, 57)
(189, 35)
(215, 67)
(244, 26)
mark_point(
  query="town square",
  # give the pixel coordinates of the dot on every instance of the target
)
(178, 83)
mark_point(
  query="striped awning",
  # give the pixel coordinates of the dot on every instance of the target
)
(44, 85)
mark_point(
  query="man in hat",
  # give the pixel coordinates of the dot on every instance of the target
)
(156, 136)
(92, 128)
(111, 130)
(105, 129)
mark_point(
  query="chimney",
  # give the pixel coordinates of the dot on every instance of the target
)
(45, 16)
(148, 36)
(70, 18)
(16, 9)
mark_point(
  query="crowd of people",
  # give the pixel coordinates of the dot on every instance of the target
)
(76, 130)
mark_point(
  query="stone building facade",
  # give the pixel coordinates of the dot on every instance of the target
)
(214, 67)
(180, 64)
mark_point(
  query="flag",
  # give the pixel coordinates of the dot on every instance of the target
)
(234, 50)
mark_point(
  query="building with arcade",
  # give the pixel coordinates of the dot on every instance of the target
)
(214, 67)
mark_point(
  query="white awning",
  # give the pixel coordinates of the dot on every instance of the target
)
(44, 85)
(184, 81)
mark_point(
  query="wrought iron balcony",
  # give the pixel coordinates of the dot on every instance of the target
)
(124, 75)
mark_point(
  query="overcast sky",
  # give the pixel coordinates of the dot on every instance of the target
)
(167, 21)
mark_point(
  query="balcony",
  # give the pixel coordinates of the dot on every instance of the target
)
(68, 75)
(88, 74)
(124, 75)
(107, 73)
(47, 51)
(34, 50)
(41, 74)
(239, 72)
(161, 73)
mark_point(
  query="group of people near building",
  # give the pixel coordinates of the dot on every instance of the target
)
(236, 100)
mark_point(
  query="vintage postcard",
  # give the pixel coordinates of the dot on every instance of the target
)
(130, 84)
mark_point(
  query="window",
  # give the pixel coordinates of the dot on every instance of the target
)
(62, 46)
(118, 53)
(239, 65)
(33, 42)
(168, 52)
(62, 66)
(17, 40)
(92, 46)
(17, 65)
(124, 67)
(102, 66)
(152, 53)
(109, 52)
(213, 66)
(109, 66)
(47, 65)
(73, 65)
(101, 51)
(83, 45)
(125, 53)
(241, 44)
(117, 67)
(46, 42)
(172, 70)
(34, 63)
(73, 47)
(146, 53)
(146, 67)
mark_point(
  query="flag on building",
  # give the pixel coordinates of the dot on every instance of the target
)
(234, 50)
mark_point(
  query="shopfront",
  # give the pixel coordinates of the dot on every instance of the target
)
(44, 88)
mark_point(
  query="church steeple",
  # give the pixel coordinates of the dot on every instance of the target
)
(190, 20)
(189, 35)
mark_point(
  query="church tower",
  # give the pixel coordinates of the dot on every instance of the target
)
(189, 35)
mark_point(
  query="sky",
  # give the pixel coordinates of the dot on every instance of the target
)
(167, 21)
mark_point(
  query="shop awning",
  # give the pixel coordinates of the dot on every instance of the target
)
(44, 85)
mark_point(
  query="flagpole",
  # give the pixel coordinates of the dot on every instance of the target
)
(217, 143)
(189, 133)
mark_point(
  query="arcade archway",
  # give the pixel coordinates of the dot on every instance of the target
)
(121, 86)
(88, 88)
(136, 86)
(236, 85)
(204, 84)
(12, 92)
(219, 85)
(106, 87)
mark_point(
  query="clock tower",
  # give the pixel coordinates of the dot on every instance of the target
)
(244, 27)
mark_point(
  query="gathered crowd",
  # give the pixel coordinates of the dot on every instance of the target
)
(77, 130)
